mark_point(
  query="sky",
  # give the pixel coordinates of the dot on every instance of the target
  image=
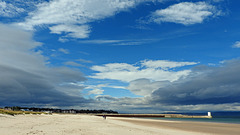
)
(131, 56)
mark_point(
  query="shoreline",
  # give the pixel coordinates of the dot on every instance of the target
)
(210, 120)
(89, 124)
(156, 115)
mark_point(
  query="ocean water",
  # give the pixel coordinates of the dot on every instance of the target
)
(218, 117)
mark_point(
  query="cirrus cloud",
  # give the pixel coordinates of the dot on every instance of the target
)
(71, 17)
(9, 10)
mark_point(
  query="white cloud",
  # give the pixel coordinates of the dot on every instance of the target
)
(112, 67)
(96, 92)
(73, 31)
(84, 61)
(65, 51)
(116, 87)
(186, 13)
(72, 63)
(145, 87)
(100, 41)
(127, 72)
(165, 64)
(9, 10)
(98, 89)
(118, 42)
(130, 43)
(72, 16)
(217, 1)
(95, 89)
(236, 44)
(63, 40)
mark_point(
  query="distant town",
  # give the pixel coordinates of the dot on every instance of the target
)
(52, 110)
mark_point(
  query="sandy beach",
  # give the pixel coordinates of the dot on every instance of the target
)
(92, 125)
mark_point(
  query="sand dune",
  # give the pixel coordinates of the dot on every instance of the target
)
(93, 125)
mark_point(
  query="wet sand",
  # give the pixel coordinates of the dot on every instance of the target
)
(201, 127)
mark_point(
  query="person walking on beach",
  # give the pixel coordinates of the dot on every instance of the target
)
(104, 117)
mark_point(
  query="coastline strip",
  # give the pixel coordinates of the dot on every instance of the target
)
(154, 115)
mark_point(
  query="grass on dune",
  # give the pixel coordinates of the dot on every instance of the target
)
(10, 112)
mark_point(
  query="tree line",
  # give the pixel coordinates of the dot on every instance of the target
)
(53, 110)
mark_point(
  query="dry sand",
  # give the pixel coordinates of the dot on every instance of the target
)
(93, 125)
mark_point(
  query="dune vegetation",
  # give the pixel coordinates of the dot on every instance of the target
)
(10, 112)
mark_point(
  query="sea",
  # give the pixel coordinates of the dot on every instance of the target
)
(218, 117)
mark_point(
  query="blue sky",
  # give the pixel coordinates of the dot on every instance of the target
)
(126, 55)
